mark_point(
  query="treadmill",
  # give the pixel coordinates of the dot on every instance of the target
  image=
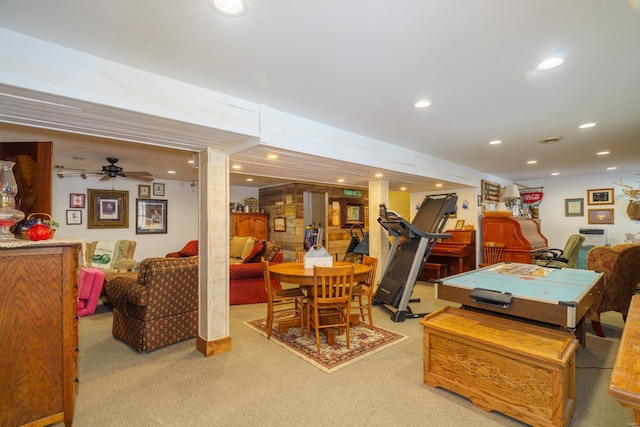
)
(411, 247)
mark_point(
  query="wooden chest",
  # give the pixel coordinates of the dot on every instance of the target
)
(524, 371)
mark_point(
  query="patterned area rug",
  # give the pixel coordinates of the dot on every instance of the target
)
(364, 342)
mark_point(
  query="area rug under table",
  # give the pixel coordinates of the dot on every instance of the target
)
(364, 342)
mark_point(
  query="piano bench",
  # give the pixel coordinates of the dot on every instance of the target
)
(433, 271)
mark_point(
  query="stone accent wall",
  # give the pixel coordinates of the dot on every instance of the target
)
(337, 239)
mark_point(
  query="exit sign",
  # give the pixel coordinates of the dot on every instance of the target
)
(352, 193)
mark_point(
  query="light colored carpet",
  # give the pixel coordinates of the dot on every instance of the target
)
(363, 342)
(259, 383)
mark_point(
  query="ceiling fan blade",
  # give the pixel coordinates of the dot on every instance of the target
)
(139, 178)
(104, 178)
(139, 173)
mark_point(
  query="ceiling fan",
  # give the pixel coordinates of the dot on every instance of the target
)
(108, 171)
(113, 171)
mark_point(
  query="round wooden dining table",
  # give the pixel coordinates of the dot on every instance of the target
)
(295, 273)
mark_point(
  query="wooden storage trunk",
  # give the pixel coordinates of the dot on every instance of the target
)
(524, 371)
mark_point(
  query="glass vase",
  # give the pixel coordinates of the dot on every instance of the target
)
(8, 190)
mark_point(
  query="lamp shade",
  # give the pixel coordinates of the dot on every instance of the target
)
(511, 192)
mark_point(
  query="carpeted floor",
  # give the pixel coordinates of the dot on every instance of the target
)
(364, 342)
(260, 383)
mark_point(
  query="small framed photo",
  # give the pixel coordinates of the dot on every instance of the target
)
(144, 191)
(76, 200)
(574, 207)
(74, 217)
(600, 196)
(460, 224)
(151, 216)
(280, 224)
(600, 216)
(158, 189)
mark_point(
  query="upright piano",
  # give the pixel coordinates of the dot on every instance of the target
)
(453, 255)
(521, 235)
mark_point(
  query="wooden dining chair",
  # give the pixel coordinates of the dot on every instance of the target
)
(329, 304)
(363, 292)
(491, 253)
(282, 300)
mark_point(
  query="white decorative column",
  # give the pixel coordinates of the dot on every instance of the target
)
(378, 238)
(213, 304)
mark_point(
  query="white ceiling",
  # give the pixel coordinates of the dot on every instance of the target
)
(360, 65)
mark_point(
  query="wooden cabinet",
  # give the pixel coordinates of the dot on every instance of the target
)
(521, 235)
(250, 224)
(39, 330)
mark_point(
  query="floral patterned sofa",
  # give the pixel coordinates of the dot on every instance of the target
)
(246, 281)
(621, 267)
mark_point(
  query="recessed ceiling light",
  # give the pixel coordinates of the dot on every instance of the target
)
(403, 188)
(250, 179)
(439, 184)
(272, 156)
(495, 142)
(236, 167)
(612, 168)
(602, 153)
(555, 173)
(341, 180)
(229, 7)
(587, 125)
(532, 162)
(378, 175)
(171, 172)
(423, 103)
(190, 162)
(550, 63)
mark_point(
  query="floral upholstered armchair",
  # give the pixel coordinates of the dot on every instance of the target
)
(621, 267)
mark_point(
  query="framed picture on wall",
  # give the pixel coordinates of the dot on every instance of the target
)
(76, 200)
(351, 212)
(600, 216)
(74, 217)
(280, 224)
(574, 207)
(144, 191)
(108, 209)
(490, 191)
(151, 216)
(600, 196)
(158, 189)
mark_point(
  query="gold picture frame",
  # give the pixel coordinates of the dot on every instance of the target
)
(144, 191)
(601, 216)
(460, 224)
(108, 209)
(600, 196)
